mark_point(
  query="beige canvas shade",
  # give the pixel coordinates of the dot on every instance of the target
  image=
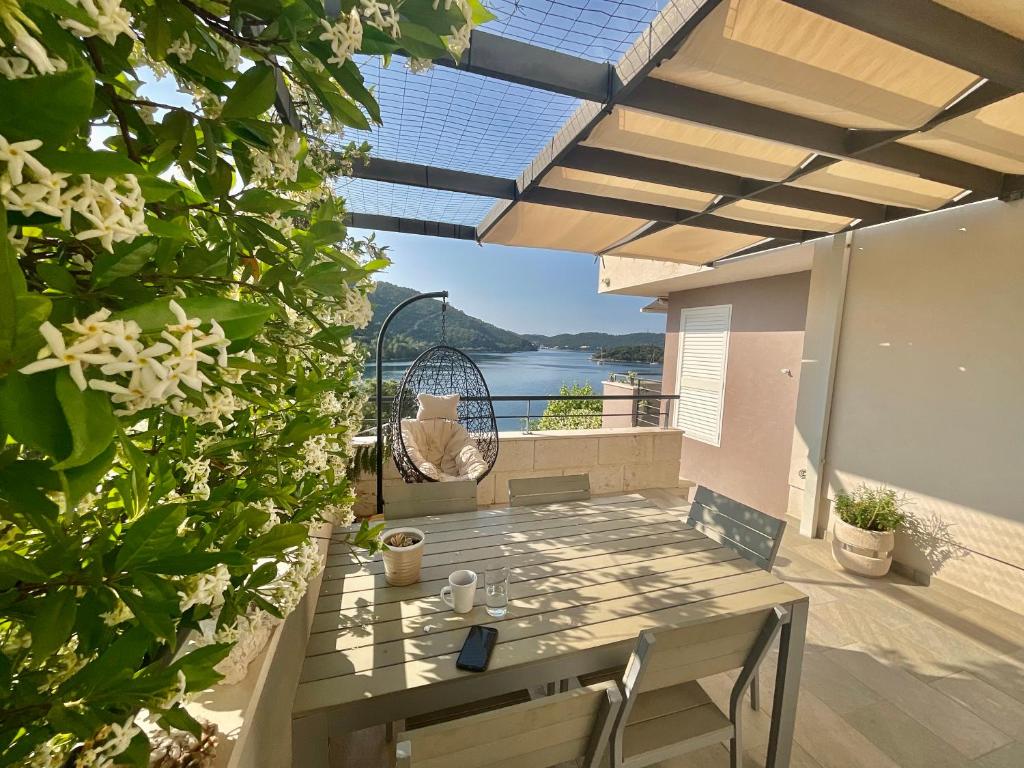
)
(586, 182)
(687, 245)
(1007, 15)
(757, 212)
(563, 229)
(678, 141)
(992, 136)
(778, 55)
(878, 185)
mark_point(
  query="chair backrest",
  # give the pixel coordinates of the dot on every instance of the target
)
(420, 499)
(548, 490)
(536, 734)
(753, 534)
(669, 656)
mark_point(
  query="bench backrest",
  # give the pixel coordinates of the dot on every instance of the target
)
(536, 734)
(548, 490)
(751, 533)
(420, 499)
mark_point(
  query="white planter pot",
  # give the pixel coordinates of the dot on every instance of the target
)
(402, 565)
(868, 553)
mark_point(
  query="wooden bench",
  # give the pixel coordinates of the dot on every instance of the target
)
(548, 490)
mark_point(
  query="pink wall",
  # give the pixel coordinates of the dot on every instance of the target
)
(752, 464)
(616, 413)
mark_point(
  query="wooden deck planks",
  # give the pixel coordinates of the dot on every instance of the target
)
(587, 577)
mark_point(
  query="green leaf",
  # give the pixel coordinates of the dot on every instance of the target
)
(90, 418)
(53, 118)
(180, 718)
(123, 262)
(99, 164)
(252, 94)
(176, 228)
(278, 539)
(31, 413)
(57, 277)
(51, 625)
(14, 567)
(193, 562)
(262, 201)
(155, 614)
(150, 536)
(198, 665)
(239, 320)
(84, 479)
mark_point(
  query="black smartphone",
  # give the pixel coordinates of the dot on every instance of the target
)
(476, 651)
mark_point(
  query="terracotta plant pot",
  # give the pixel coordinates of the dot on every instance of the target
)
(868, 553)
(402, 564)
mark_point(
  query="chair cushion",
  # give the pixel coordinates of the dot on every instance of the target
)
(437, 407)
(442, 449)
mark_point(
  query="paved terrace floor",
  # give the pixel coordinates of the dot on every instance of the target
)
(895, 674)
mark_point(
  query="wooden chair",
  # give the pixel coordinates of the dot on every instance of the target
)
(418, 499)
(749, 532)
(538, 734)
(665, 712)
(548, 490)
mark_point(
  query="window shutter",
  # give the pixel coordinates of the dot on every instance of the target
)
(703, 351)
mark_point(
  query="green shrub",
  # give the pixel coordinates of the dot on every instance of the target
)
(872, 509)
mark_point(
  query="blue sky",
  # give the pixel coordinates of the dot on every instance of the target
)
(526, 290)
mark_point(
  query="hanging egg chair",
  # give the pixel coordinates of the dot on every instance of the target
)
(442, 422)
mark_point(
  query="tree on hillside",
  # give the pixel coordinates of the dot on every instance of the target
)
(571, 414)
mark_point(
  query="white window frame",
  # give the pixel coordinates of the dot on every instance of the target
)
(679, 369)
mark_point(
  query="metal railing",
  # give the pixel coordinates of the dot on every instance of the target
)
(648, 409)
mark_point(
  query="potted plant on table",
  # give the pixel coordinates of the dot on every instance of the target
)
(864, 531)
(403, 555)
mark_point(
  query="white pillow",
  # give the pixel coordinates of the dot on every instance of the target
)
(437, 407)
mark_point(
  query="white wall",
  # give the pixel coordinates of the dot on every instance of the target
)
(929, 387)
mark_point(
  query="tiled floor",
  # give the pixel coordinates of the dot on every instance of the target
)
(895, 674)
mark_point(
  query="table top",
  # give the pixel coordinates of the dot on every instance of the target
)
(587, 577)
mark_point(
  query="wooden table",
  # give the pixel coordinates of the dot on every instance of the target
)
(587, 577)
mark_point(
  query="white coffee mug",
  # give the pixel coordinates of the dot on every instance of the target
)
(460, 593)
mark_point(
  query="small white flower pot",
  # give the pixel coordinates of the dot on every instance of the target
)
(402, 564)
(868, 553)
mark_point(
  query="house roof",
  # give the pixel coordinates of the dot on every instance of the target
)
(732, 126)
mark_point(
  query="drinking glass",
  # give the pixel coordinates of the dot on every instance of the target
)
(496, 589)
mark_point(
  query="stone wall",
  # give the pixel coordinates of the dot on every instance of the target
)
(617, 460)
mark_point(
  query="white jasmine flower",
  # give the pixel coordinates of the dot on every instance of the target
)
(16, 155)
(74, 357)
(120, 613)
(419, 66)
(345, 36)
(383, 16)
(14, 67)
(185, 323)
(183, 48)
(34, 51)
(206, 588)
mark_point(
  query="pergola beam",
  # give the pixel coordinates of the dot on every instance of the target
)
(431, 177)
(711, 109)
(410, 226)
(502, 58)
(934, 30)
(661, 213)
(626, 166)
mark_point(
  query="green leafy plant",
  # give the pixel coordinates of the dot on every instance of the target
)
(872, 509)
(571, 414)
(178, 382)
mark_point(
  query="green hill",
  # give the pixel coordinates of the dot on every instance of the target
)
(419, 327)
(643, 353)
(596, 341)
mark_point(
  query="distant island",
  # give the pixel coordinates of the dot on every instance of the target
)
(419, 327)
(643, 353)
(596, 341)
